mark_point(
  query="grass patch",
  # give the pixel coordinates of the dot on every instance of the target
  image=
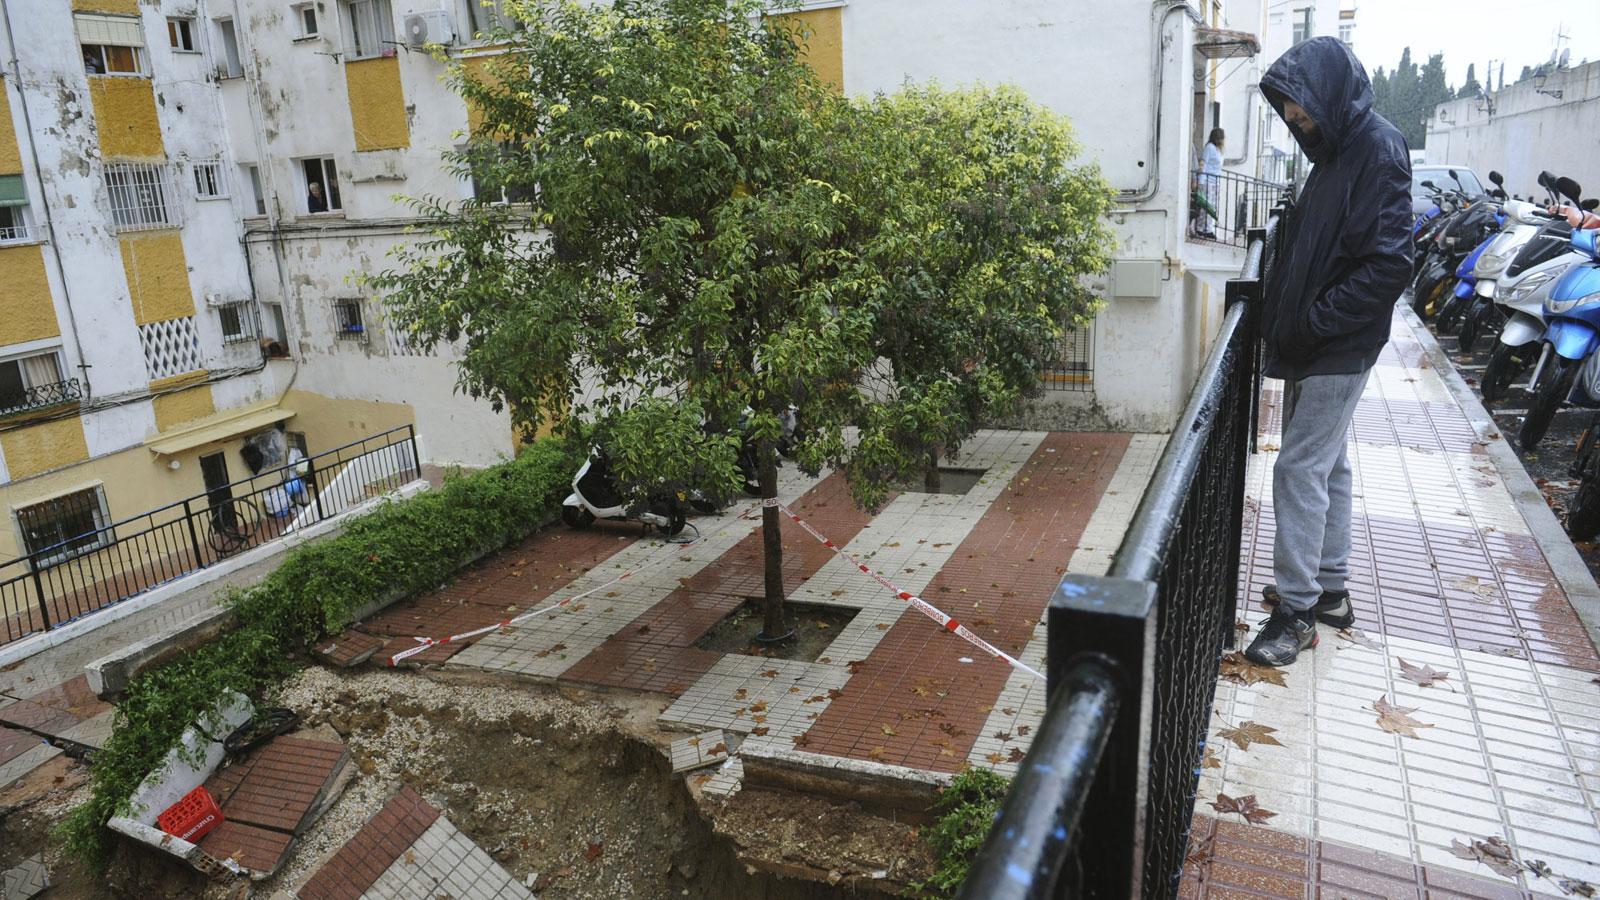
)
(402, 547)
(967, 810)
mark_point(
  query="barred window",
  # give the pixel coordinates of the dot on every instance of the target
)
(347, 319)
(238, 321)
(33, 381)
(141, 196)
(66, 526)
(208, 181)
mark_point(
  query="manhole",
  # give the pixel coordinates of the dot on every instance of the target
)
(951, 481)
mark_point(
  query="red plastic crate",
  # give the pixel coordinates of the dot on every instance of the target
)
(191, 818)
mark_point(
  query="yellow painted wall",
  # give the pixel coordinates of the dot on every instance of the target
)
(125, 117)
(330, 422)
(115, 7)
(377, 103)
(481, 69)
(158, 276)
(42, 447)
(183, 406)
(823, 42)
(26, 310)
(10, 156)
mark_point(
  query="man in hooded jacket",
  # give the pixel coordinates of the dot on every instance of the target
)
(1344, 257)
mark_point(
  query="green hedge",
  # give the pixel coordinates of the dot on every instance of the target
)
(400, 548)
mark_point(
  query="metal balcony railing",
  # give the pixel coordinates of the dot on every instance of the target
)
(1224, 208)
(40, 396)
(1102, 804)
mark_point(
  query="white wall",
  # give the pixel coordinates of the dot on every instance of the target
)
(1528, 132)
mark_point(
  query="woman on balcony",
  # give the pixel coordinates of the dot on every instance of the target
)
(1211, 181)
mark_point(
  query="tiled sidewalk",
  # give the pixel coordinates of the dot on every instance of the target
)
(1448, 574)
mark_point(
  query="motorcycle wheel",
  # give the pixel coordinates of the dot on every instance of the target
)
(1419, 296)
(701, 504)
(1583, 510)
(673, 513)
(576, 516)
(1471, 327)
(1549, 397)
(1504, 364)
(1449, 310)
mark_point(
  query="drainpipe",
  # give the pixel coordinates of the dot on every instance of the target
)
(44, 199)
(1159, 14)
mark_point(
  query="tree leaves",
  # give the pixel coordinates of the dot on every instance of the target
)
(1421, 676)
(1245, 807)
(1237, 669)
(1360, 638)
(1397, 719)
(1498, 855)
(1246, 733)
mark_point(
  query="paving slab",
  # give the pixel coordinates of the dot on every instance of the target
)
(385, 838)
(702, 750)
(27, 879)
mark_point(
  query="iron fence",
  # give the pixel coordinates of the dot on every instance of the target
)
(1132, 659)
(1226, 207)
(1071, 368)
(76, 565)
(40, 396)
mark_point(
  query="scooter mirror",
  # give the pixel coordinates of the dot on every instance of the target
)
(1545, 178)
(1570, 188)
(1496, 177)
(1429, 184)
(1591, 204)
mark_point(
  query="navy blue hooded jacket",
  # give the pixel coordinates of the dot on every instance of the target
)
(1345, 254)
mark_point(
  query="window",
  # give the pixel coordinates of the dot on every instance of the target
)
(180, 33)
(208, 183)
(112, 45)
(13, 209)
(141, 196)
(487, 15)
(66, 526)
(305, 18)
(347, 320)
(230, 67)
(487, 167)
(321, 180)
(1346, 32)
(238, 321)
(371, 28)
(1302, 24)
(278, 339)
(252, 176)
(33, 381)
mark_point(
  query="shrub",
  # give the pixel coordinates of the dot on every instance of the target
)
(398, 549)
(968, 808)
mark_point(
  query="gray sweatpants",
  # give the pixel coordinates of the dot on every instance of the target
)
(1311, 487)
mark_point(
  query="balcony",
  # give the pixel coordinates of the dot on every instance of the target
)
(39, 396)
(1223, 208)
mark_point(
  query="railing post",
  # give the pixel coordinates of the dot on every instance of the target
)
(38, 589)
(416, 458)
(1115, 617)
(194, 534)
(313, 486)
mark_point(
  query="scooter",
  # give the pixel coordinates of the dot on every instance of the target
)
(1572, 334)
(595, 496)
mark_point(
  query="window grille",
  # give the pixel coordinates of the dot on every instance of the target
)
(34, 381)
(208, 180)
(141, 196)
(239, 322)
(171, 347)
(1072, 369)
(347, 321)
(66, 526)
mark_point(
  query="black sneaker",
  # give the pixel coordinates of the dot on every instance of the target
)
(1286, 634)
(1333, 608)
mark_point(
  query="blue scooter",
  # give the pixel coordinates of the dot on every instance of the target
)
(1572, 334)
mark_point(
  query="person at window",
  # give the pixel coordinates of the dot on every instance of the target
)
(315, 201)
(1344, 256)
(1211, 180)
(92, 62)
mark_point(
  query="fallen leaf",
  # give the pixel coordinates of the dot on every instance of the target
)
(876, 752)
(758, 706)
(1016, 755)
(822, 626)
(1235, 668)
(718, 749)
(855, 665)
(740, 694)
(1422, 676)
(594, 851)
(770, 673)
(1357, 636)
(1002, 736)
(800, 740)
(882, 626)
(1539, 868)
(1246, 733)
(995, 759)
(1210, 761)
(411, 857)
(887, 730)
(1397, 719)
(759, 732)
(1024, 729)
(1245, 807)
(1576, 888)
(951, 729)
(1463, 851)
(834, 693)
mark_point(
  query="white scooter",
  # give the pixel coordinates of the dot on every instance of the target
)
(1521, 341)
(595, 496)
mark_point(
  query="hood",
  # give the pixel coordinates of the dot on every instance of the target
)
(1325, 78)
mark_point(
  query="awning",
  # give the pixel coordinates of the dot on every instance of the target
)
(1225, 43)
(218, 427)
(12, 191)
(120, 31)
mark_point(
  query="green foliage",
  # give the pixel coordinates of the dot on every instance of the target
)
(400, 548)
(967, 809)
(1407, 96)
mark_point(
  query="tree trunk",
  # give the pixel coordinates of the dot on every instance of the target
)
(932, 480)
(773, 625)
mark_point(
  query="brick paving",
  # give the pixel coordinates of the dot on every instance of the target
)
(362, 860)
(1446, 573)
(267, 798)
(914, 701)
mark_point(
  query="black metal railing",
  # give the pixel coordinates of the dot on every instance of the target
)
(1071, 366)
(1132, 658)
(76, 566)
(40, 396)
(1225, 207)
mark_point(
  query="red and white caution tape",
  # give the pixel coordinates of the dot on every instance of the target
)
(916, 602)
(423, 643)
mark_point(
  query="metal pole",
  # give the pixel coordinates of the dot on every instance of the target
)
(416, 458)
(316, 490)
(194, 535)
(38, 588)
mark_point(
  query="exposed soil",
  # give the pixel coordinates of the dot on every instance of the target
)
(814, 625)
(951, 481)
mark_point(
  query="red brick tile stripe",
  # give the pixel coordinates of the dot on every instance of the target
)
(258, 849)
(14, 743)
(1229, 859)
(374, 848)
(913, 702)
(655, 651)
(276, 786)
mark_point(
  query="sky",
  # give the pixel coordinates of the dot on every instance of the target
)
(1522, 32)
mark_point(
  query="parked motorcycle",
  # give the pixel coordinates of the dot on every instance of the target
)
(1572, 334)
(595, 495)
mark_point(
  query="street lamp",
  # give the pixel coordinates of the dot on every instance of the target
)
(1540, 76)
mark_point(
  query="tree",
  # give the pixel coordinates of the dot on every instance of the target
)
(1407, 96)
(714, 237)
(1470, 87)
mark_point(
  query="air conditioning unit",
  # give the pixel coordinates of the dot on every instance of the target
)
(429, 27)
(215, 300)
